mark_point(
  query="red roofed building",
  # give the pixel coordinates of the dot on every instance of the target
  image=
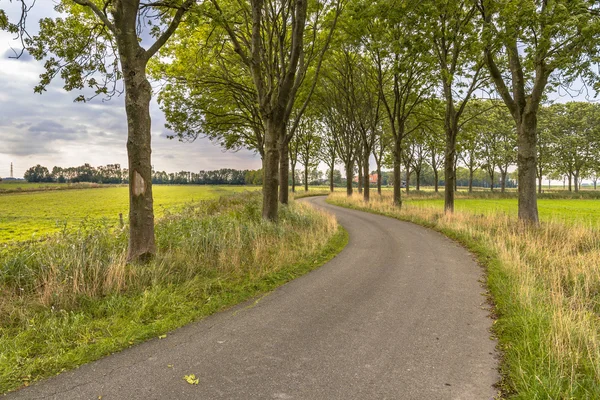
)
(372, 179)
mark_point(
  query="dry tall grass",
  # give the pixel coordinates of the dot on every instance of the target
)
(546, 284)
(225, 237)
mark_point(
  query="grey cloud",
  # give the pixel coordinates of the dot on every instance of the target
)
(47, 126)
(23, 146)
(52, 130)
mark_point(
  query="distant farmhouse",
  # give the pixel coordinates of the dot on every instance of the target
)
(372, 179)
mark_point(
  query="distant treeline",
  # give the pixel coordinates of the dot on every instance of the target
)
(113, 173)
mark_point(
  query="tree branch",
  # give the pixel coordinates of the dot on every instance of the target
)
(162, 39)
(100, 14)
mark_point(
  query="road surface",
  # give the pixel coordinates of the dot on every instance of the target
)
(398, 314)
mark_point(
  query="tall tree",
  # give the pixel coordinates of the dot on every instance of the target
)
(308, 142)
(366, 101)
(573, 128)
(404, 65)
(270, 43)
(96, 44)
(544, 145)
(434, 144)
(455, 41)
(380, 149)
(408, 157)
(322, 24)
(294, 151)
(328, 153)
(497, 140)
(338, 116)
(525, 42)
(419, 156)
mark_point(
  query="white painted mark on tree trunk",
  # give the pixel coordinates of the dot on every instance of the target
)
(139, 185)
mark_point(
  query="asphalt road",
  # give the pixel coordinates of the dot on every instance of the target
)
(398, 314)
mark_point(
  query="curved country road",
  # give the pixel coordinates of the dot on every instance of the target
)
(398, 314)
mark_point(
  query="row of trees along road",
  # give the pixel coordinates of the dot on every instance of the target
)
(369, 74)
(113, 173)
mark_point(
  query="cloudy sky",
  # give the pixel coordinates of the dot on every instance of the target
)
(50, 129)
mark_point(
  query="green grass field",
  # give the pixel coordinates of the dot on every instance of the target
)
(29, 215)
(570, 211)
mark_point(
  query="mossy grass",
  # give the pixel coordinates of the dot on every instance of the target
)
(211, 256)
(544, 283)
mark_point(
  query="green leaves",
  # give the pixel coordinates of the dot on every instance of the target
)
(80, 50)
(571, 134)
(560, 35)
(4, 25)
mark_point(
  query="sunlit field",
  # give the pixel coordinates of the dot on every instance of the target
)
(571, 211)
(31, 215)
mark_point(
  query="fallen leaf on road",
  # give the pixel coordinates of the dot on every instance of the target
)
(191, 379)
(162, 336)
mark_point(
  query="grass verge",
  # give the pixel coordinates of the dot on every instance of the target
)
(312, 193)
(72, 299)
(545, 283)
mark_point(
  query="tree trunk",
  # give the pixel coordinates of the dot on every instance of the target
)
(379, 179)
(360, 176)
(418, 176)
(138, 93)
(436, 180)
(570, 184)
(349, 178)
(407, 167)
(576, 181)
(449, 159)
(293, 164)
(455, 178)
(540, 183)
(366, 178)
(331, 179)
(503, 181)
(471, 179)
(492, 180)
(284, 171)
(526, 165)
(306, 177)
(397, 179)
(271, 169)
